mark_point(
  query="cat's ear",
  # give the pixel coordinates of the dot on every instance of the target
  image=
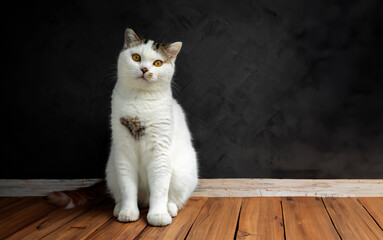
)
(173, 49)
(130, 37)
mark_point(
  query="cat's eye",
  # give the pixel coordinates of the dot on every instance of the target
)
(158, 63)
(136, 57)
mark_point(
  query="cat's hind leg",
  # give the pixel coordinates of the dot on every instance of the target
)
(183, 182)
(172, 209)
(111, 182)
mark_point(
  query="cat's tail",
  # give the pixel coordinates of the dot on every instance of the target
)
(74, 198)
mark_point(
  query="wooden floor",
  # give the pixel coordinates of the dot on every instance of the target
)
(202, 218)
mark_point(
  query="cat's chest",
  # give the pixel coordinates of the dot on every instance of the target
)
(146, 111)
(152, 114)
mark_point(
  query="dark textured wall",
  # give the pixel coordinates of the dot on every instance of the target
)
(271, 88)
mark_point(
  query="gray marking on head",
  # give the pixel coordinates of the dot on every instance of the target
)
(132, 40)
(161, 48)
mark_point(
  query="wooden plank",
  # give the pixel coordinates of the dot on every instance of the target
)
(13, 206)
(261, 218)
(351, 220)
(84, 225)
(307, 218)
(289, 187)
(23, 213)
(51, 222)
(5, 202)
(217, 219)
(115, 230)
(180, 225)
(375, 207)
(220, 187)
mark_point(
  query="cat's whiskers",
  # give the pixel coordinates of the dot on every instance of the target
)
(176, 89)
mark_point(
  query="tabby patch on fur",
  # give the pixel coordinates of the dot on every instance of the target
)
(134, 126)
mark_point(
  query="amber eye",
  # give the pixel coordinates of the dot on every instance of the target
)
(136, 57)
(158, 63)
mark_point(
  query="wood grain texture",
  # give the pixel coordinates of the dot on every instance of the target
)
(248, 187)
(6, 202)
(180, 225)
(217, 219)
(84, 225)
(115, 230)
(223, 187)
(22, 213)
(41, 187)
(51, 222)
(261, 218)
(307, 218)
(13, 205)
(351, 220)
(375, 207)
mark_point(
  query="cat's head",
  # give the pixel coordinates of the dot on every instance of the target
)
(145, 64)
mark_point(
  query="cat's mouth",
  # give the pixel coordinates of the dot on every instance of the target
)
(142, 78)
(145, 78)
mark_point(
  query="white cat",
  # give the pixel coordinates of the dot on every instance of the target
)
(152, 161)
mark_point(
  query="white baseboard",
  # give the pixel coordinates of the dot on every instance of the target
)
(290, 187)
(40, 187)
(247, 187)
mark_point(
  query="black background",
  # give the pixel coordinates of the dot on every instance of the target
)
(281, 89)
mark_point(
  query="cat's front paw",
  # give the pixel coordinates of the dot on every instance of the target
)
(128, 215)
(159, 219)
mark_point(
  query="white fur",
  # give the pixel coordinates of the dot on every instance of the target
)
(159, 169)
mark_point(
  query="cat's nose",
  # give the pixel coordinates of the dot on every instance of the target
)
(144, 70)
